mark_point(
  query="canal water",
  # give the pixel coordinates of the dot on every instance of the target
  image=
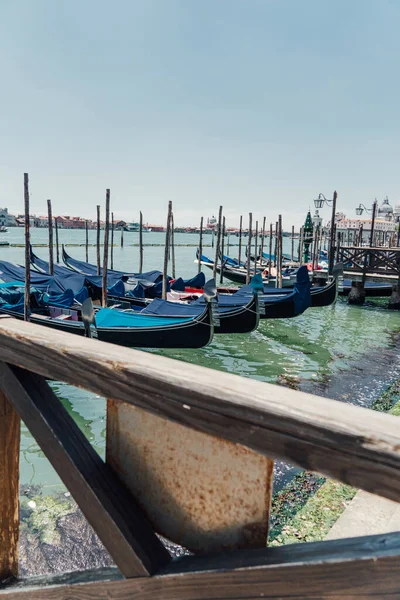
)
(343, 352)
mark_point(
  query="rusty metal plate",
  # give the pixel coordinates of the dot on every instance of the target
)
(196, 490)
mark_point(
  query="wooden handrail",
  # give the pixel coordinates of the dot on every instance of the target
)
(346, 442)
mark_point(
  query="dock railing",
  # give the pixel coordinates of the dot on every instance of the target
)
(378, 261)
(351, 444)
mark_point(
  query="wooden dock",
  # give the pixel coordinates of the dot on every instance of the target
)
(345, 442)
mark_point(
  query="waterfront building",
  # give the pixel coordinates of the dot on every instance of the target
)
(7, 220)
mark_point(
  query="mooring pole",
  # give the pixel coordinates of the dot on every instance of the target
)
(57, 248)
(98, 240)
(51, 249)
(140, 242)
(249, 249)
(27, 298)
(105, 252)
(87, 240)
(262, 241)
(221, 276)
(301, 244)
(200, 245)
(371, 238)
(339, 239)
(276, 245)
(255, 249)
(218, 243)
(172, 246)
(122, 236)
(166, 251)
(112, 241)
(240, 239)
(270, 251)
(292, 243)
(279, 248)
(332, 236)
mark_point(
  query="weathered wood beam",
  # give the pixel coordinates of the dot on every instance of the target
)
(9, 488)
(358, 567)
(352, 444)
(103, 499)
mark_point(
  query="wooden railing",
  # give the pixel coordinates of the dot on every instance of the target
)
(385, 261)
(351, 444)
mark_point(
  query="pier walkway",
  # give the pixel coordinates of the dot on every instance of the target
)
(366, 515)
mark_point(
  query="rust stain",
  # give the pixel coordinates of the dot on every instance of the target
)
(197, 490)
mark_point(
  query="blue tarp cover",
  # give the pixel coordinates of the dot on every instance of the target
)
(106, 317)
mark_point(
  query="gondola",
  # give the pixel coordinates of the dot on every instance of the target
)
(324, 295)
(124, 328)
(372, 289)
(232, 315)
(239, 275)
(238, 315)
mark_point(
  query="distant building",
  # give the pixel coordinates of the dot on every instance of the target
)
(317, 220)
(7, 220)
(40, 221)
(385, 211)
(67, 222)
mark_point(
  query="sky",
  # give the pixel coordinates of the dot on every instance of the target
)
(255, 105)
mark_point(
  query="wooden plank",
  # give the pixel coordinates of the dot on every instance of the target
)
(9, 488)
(349, 443)
(199, 491)
(352, 568)
(104, 501)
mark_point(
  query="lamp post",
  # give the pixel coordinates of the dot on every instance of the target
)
(359, 211)
(319, 203)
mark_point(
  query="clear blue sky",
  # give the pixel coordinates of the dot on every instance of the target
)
(254, 104)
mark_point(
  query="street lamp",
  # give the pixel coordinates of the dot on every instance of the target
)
(319, 203)
(359, 211)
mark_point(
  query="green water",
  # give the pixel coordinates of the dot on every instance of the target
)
(340, 351)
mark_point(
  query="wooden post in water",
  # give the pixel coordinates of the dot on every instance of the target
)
(122, 236)
(57, 247)
(200, 245)
(279, 252)
(276, 245)
(218, 242)
(98, 240)
(339, 237)
(221, 277)
(227, 243)
(292, 255)
(172, 246)
(112, 241)
(249, 249)
(166, 251)
(105, 249)
(140, 242)
(240, 239)
(51, 249)
(270, 251)
(27, 299)
(301, 245)
(87, 240)
(255, 249)
(262, 241)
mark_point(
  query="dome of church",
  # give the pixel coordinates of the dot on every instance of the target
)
(385, 209)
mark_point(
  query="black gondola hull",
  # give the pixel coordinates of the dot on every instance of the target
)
(196, 334)
(325, 295)
(242, 319)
